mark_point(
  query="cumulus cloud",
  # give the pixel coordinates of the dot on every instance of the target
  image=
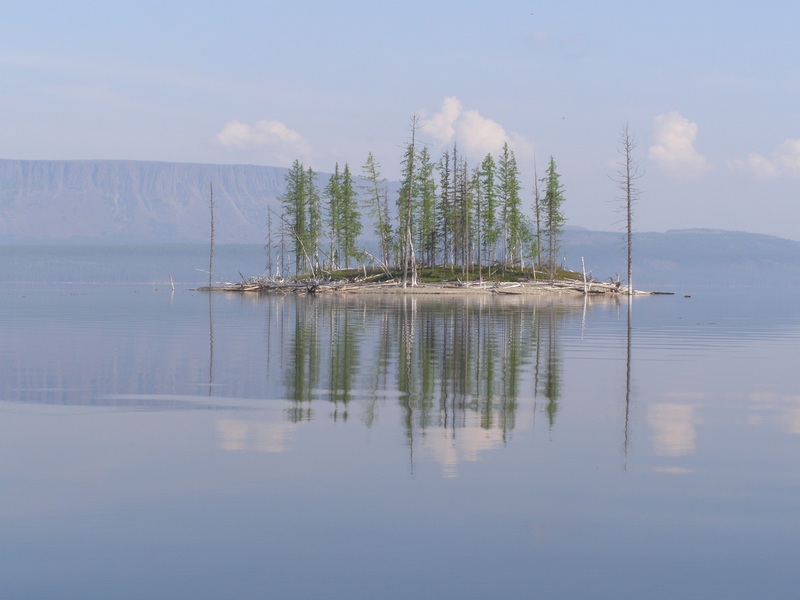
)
(265, 134)
(673, 146)
(475, 134)
(784, 160)
(441, 125)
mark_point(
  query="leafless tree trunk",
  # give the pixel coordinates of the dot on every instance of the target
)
(628, 174)
(211, 251)
(408, 246)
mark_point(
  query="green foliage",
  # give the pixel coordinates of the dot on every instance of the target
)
(333, 195)
(377, 204)
(313, 234)
(343, 217)
(444, 211)
(350, 217)
(516, 228)
(490, 229)
(295, 207)
(445, 214)
(426, 217)
(554, 220)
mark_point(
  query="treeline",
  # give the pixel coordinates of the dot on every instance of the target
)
(445, 213)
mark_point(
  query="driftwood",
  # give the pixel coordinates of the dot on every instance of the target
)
(380, 283)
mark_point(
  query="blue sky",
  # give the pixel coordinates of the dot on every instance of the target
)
(710, 91)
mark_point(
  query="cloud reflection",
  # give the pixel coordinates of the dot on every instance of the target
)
(673, 425)
(237, 435)
(781, 411)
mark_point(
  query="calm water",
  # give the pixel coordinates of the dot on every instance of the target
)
(160, 444)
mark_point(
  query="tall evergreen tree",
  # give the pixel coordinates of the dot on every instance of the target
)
(553, 216)
(313, 234)
(461, 208)
(407, 207)
(350, 217)
(490, 229)
(295, 203)
(443, 207)
(513, 220)
(426, 191)
(537, 215)
(376, 198)
(478, 212)
(333, 196)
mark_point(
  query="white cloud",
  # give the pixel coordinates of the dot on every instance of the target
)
(266, 134)
(479, 135)
(475, 134)
(784, 160)
(673, 146)
(441, 126)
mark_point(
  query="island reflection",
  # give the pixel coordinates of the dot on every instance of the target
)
(448, 362)
(454, 369)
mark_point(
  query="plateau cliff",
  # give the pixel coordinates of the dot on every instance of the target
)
(137, 202)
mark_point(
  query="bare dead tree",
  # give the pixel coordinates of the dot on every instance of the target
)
(628, 174)
(211, 251)
(408, 245)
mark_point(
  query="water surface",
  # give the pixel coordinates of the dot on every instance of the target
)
(161, 444)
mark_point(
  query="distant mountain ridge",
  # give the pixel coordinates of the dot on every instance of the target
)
(686, 256)
(134, 201)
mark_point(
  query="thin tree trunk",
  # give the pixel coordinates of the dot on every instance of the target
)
(211, 250)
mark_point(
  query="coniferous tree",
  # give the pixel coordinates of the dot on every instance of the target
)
(553, 216)
(406, 210)
(333, 195)
(350, 217)
(490, 229)
(443, 209)
(314, 232)
(478, 219)
(295, 206)
(462, 206)
(537, 215)
(513, 220)
(426, 226)
(377, 205)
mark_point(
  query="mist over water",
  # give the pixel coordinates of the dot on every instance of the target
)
(165, 444)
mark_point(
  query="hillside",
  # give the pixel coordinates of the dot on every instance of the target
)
(136, 202)
(682, 257)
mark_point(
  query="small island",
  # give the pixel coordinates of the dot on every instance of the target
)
(453, 230)
(438, 281)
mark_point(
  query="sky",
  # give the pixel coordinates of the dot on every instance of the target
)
(708, 89)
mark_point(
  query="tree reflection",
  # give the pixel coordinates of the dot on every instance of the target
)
(302, 371)
(461, 357)
(552, 367)
(451, 363)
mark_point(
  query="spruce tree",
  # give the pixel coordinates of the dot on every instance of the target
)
(333, 196)
(350, 217)
(294, 201)
(377, 205)
(313, 234)
(490, 229)
(426, 190)
(553, 216)
(515, 226)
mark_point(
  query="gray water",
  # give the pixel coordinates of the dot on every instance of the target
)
(171, 444)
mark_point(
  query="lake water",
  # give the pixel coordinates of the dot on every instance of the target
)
(172, 444)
